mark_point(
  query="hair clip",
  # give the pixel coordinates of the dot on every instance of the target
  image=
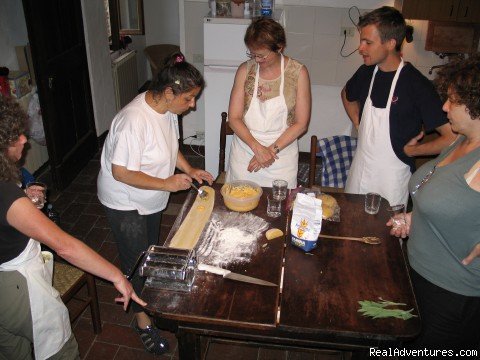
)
(177, 82)
(179, 59)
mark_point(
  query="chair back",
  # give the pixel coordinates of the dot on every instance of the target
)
(336, 153)
(156, 55)
(225, 130)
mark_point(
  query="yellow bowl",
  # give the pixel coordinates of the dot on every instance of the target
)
(241, 195)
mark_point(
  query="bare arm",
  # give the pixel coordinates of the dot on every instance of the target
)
(352, 108)
(27, 219)
(264, 155)
(434, 147)
(144, 181)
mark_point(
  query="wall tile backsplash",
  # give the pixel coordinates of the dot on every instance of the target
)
(314, 37)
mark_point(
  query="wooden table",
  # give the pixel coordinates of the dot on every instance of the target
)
(317, 306)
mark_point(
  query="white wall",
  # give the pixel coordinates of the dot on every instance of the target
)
(161, 26)
(13, 32)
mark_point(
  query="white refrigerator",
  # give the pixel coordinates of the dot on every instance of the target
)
(224, 50)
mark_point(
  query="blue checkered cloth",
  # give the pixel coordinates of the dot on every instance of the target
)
(337, 154)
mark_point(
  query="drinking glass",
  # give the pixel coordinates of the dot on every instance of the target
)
(397, 214)
(274, 207)
(37, 192)
(372, 203)
(279, 189)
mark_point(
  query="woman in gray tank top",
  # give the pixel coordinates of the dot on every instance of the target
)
(444, 226)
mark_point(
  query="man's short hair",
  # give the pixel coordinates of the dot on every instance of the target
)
(389, 22)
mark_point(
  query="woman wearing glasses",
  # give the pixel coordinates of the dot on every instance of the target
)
(269, 109)
(444, 226)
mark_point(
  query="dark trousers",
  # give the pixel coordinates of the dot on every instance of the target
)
(133, 234)
(449, 321)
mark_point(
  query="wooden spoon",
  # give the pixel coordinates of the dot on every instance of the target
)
(372, 240)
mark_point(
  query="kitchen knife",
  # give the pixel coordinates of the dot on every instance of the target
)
(227, 274)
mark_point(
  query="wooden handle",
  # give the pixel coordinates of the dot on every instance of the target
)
(213, 269)
(340, 237)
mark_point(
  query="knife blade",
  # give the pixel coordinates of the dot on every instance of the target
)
(227, 274)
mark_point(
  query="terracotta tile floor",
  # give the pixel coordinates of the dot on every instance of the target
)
(82, 215)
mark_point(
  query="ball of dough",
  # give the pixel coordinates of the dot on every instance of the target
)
(328, 205)
(327, 200)
(273, 233)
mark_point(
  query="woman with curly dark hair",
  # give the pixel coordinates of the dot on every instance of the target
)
(12, 138)
(444, 226)
(32, 311)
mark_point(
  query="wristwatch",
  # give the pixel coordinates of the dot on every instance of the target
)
(276, 148)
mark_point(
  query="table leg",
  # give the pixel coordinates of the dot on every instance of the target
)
(188, 345)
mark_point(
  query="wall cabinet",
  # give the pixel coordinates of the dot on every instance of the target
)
(466, 11)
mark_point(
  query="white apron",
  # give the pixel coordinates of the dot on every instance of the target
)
(266, 121)
(50, 320)
(375, 166)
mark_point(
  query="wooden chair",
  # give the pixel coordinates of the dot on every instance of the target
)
(224, 131)
(68, 280)
(156, 55)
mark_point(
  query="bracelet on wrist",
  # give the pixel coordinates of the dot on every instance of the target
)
(276, 148)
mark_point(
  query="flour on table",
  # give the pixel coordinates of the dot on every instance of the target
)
(231, 238)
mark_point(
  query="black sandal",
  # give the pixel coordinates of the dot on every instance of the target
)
(152, 340)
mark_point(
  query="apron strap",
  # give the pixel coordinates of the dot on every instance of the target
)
(392, 86)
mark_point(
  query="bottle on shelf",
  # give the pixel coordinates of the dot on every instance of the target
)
(267, 8)
(256, 8)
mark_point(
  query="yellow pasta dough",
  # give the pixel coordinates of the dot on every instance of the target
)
(273, 233)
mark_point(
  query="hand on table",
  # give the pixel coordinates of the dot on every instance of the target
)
(474, 254)
(402, 230)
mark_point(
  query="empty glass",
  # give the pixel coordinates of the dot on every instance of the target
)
(274, 207)
(37, 192)
(279, 189)
(372, 203)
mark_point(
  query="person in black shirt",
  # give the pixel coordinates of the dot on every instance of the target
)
(390, 103)
(32, 311)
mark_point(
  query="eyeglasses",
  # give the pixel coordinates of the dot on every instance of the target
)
(424, 180)
(258, 57)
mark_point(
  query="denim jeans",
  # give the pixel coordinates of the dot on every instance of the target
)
(133, 234)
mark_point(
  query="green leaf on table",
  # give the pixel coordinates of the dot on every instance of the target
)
(380, 310)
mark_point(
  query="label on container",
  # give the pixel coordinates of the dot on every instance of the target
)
(267, 7)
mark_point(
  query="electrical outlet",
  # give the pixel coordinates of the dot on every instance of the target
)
(197, 58)
(200, 135)
(349, 31)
